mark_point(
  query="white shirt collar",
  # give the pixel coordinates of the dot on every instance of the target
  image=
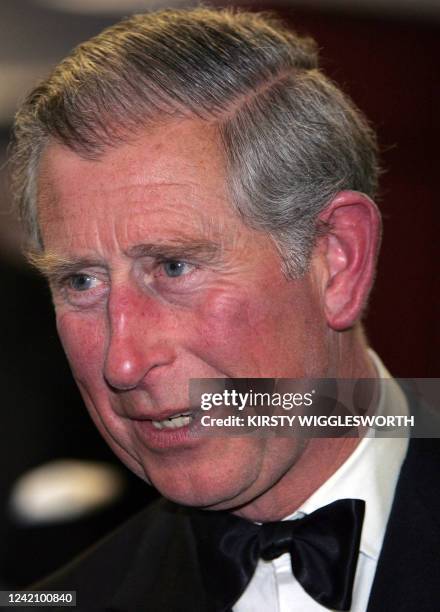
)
(370, 472)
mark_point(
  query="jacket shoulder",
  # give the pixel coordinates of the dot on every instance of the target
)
(98, 572)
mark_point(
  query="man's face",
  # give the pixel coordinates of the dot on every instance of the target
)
(156, 281)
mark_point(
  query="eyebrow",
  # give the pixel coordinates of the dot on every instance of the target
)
(205, 250)
(54, 266)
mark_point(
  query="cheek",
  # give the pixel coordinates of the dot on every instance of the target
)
(231, 326)
(83, 343)
(223, 310)
(263, 331)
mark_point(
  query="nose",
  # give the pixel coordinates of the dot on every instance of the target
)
(138, 339)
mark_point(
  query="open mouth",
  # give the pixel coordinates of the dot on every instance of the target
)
(174, 422)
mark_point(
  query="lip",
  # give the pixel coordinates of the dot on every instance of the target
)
(164, 414)
(138, 413)
(162, 439)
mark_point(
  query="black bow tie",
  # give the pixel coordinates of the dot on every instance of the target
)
(323, 547)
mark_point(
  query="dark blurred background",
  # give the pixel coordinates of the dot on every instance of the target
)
(385, 54)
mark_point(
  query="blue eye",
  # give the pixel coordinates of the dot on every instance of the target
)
(175, 268)
(82, 282)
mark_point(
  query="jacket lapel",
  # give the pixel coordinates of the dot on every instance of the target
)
(408, 571)
(164, 574)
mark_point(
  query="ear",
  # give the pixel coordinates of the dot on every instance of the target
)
(348, 254)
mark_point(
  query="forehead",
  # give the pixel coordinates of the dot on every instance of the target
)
(172, 177)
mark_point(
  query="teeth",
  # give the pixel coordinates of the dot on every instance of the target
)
(174, 422)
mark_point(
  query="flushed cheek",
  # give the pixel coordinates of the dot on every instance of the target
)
(232, 326)
(83, 340)
(260, 331)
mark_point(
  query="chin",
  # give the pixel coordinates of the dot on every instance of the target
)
(198, 490)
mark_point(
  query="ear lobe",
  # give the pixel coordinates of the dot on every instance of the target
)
(349, 254)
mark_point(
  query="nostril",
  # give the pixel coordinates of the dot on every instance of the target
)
(126, 368)
(118, 386)
(123, 374)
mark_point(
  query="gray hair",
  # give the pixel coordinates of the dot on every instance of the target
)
(292, 139)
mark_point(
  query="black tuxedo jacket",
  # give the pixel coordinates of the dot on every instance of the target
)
(152, 563)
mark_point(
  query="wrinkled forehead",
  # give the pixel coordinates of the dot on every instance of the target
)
(166, 184)
(176, 169)
(187, 152)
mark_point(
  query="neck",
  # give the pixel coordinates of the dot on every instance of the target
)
(318, 458)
